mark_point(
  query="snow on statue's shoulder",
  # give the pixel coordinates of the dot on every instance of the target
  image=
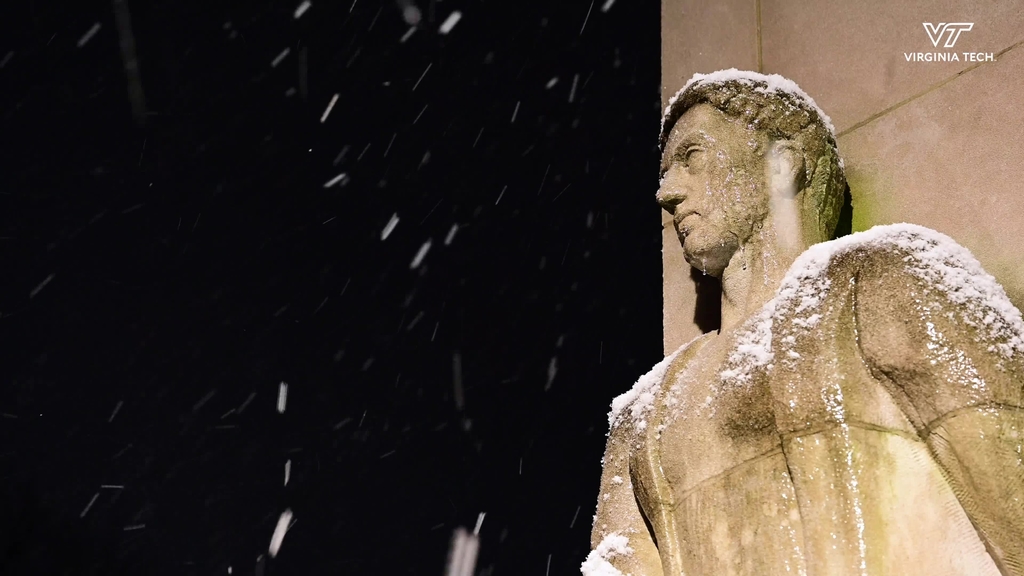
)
(639, 400)
(597, 562)
(773, 83)
(930, 256)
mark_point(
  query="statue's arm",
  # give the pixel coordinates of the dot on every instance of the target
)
(962, 394)
(618, 520)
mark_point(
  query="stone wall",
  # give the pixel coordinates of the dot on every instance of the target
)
(938, 143)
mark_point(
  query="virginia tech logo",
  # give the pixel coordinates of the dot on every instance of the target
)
(952, 31)
(948, 34)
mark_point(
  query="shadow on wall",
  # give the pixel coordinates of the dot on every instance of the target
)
(707, 313)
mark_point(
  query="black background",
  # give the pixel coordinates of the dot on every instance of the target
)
(195, 257)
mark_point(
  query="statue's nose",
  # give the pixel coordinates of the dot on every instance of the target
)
(669, 196)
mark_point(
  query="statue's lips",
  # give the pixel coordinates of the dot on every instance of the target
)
(684, 220)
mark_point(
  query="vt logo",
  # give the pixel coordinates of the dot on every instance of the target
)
(951, 31)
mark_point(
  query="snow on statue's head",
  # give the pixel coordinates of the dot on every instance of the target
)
(740, 146)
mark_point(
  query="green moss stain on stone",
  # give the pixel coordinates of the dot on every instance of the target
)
(870, 198)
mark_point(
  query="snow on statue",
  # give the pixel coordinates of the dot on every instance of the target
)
(858, 412)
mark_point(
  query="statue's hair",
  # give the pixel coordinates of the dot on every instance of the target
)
(783, 115)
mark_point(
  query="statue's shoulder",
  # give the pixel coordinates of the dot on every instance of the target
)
(894, 254)
(631, 410)
(893, 247)
(892, 273)
(904, 270)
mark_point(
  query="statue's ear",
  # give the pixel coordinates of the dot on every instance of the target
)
(786, 167)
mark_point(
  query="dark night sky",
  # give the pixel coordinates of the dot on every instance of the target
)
(172, 269)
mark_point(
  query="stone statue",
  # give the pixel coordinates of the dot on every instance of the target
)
(858, 412)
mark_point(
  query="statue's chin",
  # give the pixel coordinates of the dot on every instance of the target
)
(711, 258)
(708, 264)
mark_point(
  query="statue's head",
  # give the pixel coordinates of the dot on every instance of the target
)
(738, 146)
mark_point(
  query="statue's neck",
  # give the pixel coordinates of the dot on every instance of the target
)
(756, 270)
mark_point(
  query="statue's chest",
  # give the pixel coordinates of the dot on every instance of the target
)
(697, 434)
(698, 427)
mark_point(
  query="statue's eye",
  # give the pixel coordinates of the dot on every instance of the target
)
(685, 157)
(691, 159)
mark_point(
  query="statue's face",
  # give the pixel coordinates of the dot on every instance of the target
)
(713, 184)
